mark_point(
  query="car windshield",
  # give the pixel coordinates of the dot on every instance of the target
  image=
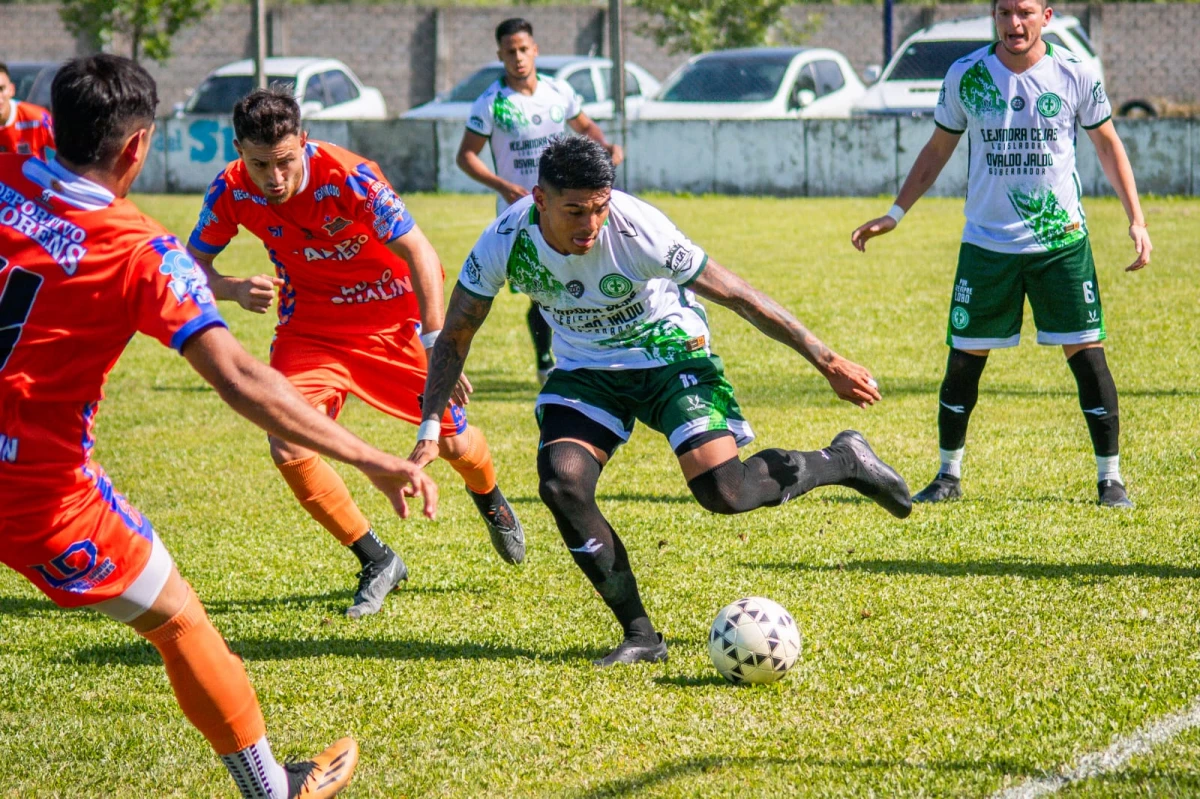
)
(218, 94)
(727, 80)
(468, 91)
(931, 60)
(22, 77)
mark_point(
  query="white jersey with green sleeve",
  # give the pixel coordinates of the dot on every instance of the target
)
(519, 126)
(1023, 193)
(623, 305)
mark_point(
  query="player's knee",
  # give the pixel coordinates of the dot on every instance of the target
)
(454, 447)
(566, 477)
(718, 489)
(285, 452)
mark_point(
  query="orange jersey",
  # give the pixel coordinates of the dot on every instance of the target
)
(27, 131)
(328, 242)
(81, 271)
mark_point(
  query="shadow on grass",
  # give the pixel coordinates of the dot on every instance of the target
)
(907, 385)
(139, 653)
(1032, 570)
(337, 600)
(675, 769)
(25, 606)
(691, 680)
(626, 496)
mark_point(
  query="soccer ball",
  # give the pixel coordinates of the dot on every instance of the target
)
(753, 640)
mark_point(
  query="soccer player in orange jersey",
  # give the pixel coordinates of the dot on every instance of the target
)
(81, 271)
(360, 303)
(25, 129)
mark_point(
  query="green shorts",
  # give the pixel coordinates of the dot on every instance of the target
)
(680, 401)
(990, 289)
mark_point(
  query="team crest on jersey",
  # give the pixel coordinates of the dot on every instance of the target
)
(1098, 95)
(335, 225)
(1017, 103)
(557, 113)
(679, 258)
(614, 285)
(575, 289)
(471, 268)
(76, 568)
(1049, 104)
(187, 279)
(23, 148)
(386, 206)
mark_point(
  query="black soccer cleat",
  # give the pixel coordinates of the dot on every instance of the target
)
(508, 537)
(1112, 495)
(374, 582)
(944, 487)
(630, 652)
(873, 478)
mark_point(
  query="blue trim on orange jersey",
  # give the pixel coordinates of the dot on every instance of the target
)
(208, 249)
(209, 317)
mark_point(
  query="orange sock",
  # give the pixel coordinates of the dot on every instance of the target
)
(475, 465)
(323, 494)
(210, 682)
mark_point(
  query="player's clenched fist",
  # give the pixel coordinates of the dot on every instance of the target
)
(876, 227)
(256, 293)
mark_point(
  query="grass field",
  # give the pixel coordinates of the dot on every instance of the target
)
(954, 653)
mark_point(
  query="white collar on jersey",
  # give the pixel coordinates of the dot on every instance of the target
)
(12, 113)
(310, 149)
(60, 182)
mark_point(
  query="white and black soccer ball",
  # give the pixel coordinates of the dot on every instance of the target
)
(753, 640)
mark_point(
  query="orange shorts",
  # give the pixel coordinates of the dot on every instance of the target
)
(385, 370)
(90, 548)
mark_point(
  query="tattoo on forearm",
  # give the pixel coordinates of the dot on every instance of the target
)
(463, 318)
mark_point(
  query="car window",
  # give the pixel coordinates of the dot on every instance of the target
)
(468, 91)
(632, 87)
(218, 94)
(1080, 34)
(1054, 40)
(23, 79)
(723, 80)
(829, 77)
(931, 60)
(339, 87)
(39, 92)
(314, 91)
(581, 82)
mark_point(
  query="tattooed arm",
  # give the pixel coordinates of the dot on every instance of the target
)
(464, 317)
(850, 381)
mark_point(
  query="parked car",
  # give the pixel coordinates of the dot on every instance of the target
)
(590, 77)
(912, 80)
(759, 83)
(32, 80)
(330, 89)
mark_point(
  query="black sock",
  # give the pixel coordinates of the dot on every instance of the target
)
(960, 392)
(769, 478)
(539, 329)
(1097, 399)
(370, 549)
(568, 475)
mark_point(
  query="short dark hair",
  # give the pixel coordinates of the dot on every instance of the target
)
(97, 101)
(575, 162)
(4, 69)
(512, 26)
(267, 116)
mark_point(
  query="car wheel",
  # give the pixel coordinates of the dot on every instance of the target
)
(1137, 109)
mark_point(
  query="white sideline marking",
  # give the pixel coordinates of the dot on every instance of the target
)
(1111, 759)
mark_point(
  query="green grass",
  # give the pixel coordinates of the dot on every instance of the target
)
(951, 654)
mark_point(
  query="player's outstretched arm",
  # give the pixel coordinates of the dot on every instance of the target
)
(464, 317)
(850, 381)
(924, 172)
(265, 397)
(426, 270)
(252, 293)
(1119, 172)
(468, 161)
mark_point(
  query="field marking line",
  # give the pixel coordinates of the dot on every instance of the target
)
(1122, 750)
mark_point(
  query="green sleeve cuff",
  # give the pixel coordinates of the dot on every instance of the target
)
(1098, 124)
(948, 130)
(476, 294)
(695, 274)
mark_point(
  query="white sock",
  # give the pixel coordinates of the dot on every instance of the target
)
(1108, 468)
(951, 461)
(256, 773)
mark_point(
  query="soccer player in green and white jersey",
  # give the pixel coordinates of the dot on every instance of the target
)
(617, 281)
(517, 116)
(1019, 100)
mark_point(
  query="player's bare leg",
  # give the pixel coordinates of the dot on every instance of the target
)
(323, 493)
(215, 695)
(468, 454)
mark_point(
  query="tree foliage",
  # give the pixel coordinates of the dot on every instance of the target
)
(147, 26)
(696, 26)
